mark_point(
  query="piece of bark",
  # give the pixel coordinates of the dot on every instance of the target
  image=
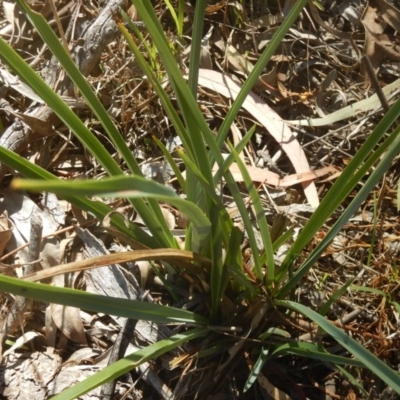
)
(22, 306)
(28, 376)
(114, 281)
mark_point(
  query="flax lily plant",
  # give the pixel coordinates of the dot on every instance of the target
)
(210, 235)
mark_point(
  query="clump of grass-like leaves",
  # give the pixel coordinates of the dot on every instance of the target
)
(210, 233)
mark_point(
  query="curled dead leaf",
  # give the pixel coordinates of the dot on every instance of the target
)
(5, 231)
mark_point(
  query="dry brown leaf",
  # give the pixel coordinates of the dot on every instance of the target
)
(291, 180)
(389, 13)
(384, 13)
(68, 321)
(374, 26)
(389, 47)
(34, 123)
(144, 269)
(5, 231)
(179, 257)
(271, 178)
(14, 82)
(241, 64)
(51, 331)
(351, 395)
(273, 391)
(269, 119)
(14, 16)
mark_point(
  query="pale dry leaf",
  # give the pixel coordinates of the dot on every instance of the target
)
(169, 218)
(51, 331)
(389, 13)
(270, 77)
(241, 64)
(351, 13)
(384, 43)
(237, 136)
(374, 26)
(25, 338)
(83, 354)
(8, 10)
(271, 178)
(34, 123)
(178, 257)
(5, 231)
(225, 86)
(238, 62)
(68, 321)
(205, 57)
(144, 269)
(273, 391)
(15, 83)
(390, 48)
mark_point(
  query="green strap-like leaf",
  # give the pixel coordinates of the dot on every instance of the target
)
(125, 186)
(128, 363)
(88, 301)
(371, 362)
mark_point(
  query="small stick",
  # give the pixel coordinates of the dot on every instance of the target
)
(34, 244)
(118, 351)
(375, 83)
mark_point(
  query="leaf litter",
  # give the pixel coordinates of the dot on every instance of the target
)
(308, 120)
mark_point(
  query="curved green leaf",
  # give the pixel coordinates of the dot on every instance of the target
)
(92, 302)
(371, 362)
(128, 363)
(124, 186)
